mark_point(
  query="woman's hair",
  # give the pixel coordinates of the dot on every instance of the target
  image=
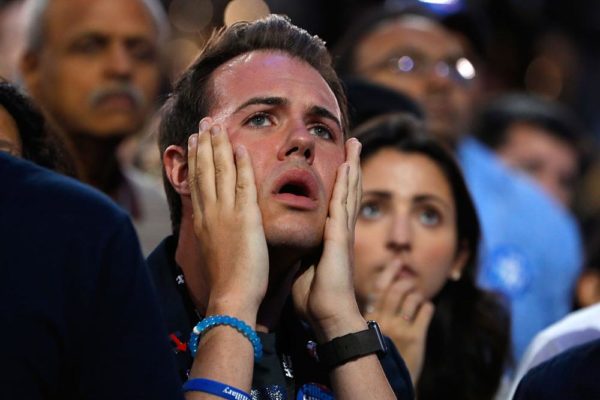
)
(468, 340)
(38, 143)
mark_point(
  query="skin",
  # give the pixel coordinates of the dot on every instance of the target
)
(551, 162)
(447, 103)
(10, 140)
(12, 24)
(405, 247)
(241, 245)
(588, 288)
(90, 47)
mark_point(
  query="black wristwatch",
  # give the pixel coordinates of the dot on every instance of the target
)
(352, 346)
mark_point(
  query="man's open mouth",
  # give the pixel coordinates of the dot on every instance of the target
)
(295, 188)
(298, 189)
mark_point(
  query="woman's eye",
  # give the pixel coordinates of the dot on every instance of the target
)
(369, 211)
(259, 120)
(430, 217)
(322, 132)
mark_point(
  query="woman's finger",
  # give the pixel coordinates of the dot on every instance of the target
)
(424, 316)
(411, 305)
(394, 297)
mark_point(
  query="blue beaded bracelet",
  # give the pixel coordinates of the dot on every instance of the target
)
(216, 388)
(215, 320)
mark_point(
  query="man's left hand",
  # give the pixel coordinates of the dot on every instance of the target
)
(324, 293)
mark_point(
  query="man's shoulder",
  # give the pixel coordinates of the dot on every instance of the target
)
(163, 256)
(577, 320)
(576, 328)
(511, 206)
(64, 198)
(162, 267)
(570, 375)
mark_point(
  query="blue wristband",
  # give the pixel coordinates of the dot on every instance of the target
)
(216, 388)
(215, 320)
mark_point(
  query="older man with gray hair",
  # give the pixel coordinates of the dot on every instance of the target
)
(94, 68)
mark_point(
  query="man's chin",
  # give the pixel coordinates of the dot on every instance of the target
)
(297, 242)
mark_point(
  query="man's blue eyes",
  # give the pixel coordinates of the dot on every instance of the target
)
(322, 132)
(259, 120)
(263, 120)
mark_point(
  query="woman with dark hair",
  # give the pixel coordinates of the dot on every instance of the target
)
(415, 250)
(23, 132)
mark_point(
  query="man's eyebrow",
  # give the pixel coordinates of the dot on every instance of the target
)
(269, 101)
(324, 113)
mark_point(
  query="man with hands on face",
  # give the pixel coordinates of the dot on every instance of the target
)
(263, 203)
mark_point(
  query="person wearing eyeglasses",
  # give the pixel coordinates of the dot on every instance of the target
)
(531, 249)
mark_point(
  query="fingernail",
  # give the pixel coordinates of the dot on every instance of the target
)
(204, 124)
(215, 130)
(193, 139)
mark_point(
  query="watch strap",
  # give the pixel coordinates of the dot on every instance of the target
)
(352, 346)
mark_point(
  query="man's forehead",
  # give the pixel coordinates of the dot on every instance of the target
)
(108, 17)
(270, 74)
(415, 30)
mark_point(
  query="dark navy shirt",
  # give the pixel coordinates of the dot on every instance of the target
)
(78, 318)
(287, 366)
(569, 375)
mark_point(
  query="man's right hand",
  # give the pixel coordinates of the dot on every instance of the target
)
(227, 223)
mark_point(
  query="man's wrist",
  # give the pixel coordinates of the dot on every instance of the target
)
(232, 308)
(349, 347)
(331, 328)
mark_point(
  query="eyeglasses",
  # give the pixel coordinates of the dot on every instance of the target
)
(460, 70)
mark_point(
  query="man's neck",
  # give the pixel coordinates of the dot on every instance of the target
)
(282, 271)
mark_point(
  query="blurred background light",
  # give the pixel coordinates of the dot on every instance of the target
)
(245, 10)
(465, 68)
(190, 15)
(443, 7)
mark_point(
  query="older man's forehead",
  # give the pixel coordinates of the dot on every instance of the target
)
(70, 18)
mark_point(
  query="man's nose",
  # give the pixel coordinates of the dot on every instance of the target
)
(299, 143)
(439, 75)
(400, 235)
(119, 61)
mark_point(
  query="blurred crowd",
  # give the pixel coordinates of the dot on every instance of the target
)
(477, 243)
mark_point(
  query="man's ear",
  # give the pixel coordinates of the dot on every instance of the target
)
(29, 70)
(460, 262)
(176, 169)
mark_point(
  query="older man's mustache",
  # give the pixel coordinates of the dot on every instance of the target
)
(133, 93)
